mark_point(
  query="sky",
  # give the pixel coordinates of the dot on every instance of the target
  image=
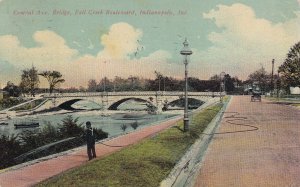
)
(93, 39)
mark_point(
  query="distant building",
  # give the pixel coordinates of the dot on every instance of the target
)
(295, 90)
(3, 94)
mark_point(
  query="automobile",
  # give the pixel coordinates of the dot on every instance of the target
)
(256, 96)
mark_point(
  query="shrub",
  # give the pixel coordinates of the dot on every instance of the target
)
(50, 133)
(99, 134)
(124, 127)
(31, 139)
(10, 102)
(70, 128)
(32, 144)
(10, 147)
(134, 125)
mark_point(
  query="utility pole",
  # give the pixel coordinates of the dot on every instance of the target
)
(272, 83)
(278, 84)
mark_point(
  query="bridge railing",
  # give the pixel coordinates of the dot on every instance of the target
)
(150, 93)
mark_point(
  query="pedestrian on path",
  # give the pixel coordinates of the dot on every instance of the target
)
(90, 141)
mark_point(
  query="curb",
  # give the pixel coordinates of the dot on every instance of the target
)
(186, 170)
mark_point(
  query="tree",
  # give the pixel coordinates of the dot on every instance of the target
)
(231, 83)
(13, 90)
(54, 78)
(105, 85)
(159, 76)
(215, 78)
(135, 83)
(92, 85)
(29, 81)
(120, 84)
(290, 69)
(260, 78)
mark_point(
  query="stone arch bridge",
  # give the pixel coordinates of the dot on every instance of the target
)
(111, 100)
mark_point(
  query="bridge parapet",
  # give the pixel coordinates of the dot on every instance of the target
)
(153, 93)
(106, 99)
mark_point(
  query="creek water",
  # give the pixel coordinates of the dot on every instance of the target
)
(109, 121)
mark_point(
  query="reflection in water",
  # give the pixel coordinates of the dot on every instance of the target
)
(133, 105)
(86, 105)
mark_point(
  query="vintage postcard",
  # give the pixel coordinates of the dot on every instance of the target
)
(149, 93)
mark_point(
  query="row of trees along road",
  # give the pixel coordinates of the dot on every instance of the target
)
(161, 83)
(30, 82)
(288, 73)
(261, 78)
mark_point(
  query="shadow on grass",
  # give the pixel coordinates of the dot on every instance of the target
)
(177, 127)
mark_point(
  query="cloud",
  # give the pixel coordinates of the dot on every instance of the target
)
(52, 53)
(97, 67)
(121, 40)
(246, 41)
(120, 43)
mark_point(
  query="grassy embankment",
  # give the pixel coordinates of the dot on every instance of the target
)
(10, 102)
(296, 105)
(285, 100)
(144, 164)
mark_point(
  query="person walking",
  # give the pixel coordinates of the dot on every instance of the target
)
(90, 140)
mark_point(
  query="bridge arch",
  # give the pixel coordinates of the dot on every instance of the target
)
(67, 105)
(193, 103)
(115, 105)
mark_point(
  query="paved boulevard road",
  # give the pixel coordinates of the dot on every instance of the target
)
(267, 156)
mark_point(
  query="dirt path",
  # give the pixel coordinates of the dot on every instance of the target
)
(35, 173)
(267, 153)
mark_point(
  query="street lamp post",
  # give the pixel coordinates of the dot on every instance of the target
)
(186, 51)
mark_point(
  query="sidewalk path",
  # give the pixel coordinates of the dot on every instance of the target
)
(35, 173)
(269, 156)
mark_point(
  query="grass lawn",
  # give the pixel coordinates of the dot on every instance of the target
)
(284, 100)
(296, 105)
(144, 164)
(280, 99)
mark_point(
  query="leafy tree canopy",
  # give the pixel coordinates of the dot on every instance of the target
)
(290, 69)
(54, 78)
